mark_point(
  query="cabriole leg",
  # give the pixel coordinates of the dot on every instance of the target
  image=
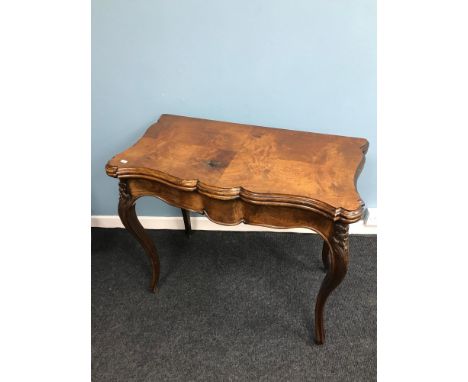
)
(130, 221)
(337, 268)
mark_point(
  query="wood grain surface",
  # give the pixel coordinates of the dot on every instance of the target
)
(227, 160)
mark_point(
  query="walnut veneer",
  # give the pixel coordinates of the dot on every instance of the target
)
(237, 173)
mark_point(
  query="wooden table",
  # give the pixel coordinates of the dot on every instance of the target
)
(237, 173)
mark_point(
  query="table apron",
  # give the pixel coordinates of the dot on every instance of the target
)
(233, 211)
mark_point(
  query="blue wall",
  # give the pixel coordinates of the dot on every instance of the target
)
(304, 65)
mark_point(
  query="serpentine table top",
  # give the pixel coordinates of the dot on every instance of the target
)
(242, 173)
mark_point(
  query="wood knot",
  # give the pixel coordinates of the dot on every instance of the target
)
(214, 164)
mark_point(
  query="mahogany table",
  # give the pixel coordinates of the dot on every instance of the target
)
(237, 173)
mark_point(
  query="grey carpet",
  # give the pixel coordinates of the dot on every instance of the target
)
(231, 307)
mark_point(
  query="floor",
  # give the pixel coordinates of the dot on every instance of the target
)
(232, 306)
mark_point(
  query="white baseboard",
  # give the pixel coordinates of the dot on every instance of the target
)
(201, 223)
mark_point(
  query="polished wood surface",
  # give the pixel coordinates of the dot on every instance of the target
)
(237, 173)
(257, 163)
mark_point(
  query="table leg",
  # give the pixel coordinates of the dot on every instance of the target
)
(187, 224)
(130, 221)
(337, 268)
(325, 256)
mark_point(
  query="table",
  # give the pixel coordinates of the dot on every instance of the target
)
(235, 173)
